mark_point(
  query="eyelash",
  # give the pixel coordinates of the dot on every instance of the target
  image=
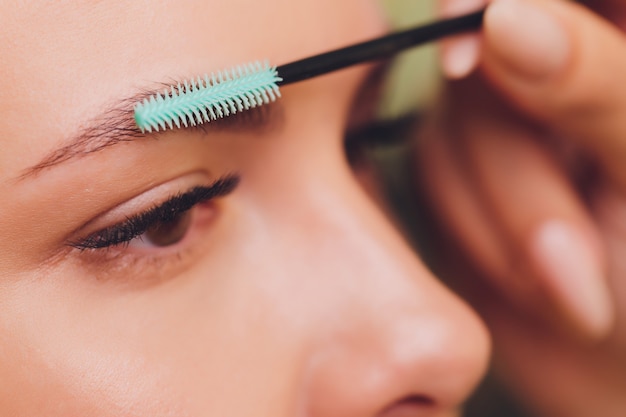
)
(123, 233)
(380, 134)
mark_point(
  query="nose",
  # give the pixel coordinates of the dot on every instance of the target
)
(390, 341)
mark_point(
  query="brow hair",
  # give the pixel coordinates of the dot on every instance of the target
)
(116, 125)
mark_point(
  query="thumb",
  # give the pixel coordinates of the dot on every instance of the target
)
(565, 66)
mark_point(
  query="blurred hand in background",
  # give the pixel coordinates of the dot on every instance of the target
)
(524, 162)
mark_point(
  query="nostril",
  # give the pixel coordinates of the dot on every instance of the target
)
(418, 400)
(410, 406)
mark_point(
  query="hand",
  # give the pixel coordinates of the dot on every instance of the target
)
(525, 164)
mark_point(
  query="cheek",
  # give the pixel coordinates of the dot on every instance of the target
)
(191, 346)
(71, 361)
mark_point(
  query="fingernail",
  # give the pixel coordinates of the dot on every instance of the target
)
(460, 54)
(574, 275)
(526, 38)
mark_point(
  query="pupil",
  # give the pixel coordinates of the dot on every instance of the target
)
(169, 233)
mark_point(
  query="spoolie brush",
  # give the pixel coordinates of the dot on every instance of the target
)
(222, 94)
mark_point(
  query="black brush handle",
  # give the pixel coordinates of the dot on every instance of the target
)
(377, 49)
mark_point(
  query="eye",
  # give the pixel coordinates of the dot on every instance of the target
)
(166, 233)
(377, 135)
(365, 131)
(160, 226)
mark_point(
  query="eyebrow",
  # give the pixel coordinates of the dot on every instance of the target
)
(116, 125)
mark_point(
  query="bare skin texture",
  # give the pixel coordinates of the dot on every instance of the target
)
(291, 296)
(524, 164)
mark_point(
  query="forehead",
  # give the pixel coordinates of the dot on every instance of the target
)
(64, 61)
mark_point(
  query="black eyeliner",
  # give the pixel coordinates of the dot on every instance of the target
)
(136, 225)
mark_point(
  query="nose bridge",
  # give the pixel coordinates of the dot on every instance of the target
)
(349, 238)
(388, 334)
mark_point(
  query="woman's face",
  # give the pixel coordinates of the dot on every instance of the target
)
(290, 294)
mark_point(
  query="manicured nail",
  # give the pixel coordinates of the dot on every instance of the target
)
(527, 38)
(459, 54)
(574, 276)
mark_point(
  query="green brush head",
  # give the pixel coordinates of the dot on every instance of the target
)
(210, 98)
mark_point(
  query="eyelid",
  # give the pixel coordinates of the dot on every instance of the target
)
(154, 197)
(367, 98)
(136, 225)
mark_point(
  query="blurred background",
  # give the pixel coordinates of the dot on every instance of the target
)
(413, 85)
(415, 78)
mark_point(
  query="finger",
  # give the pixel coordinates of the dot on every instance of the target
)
(452, 196)
(459, 54)
(564, 66)
(535, 205)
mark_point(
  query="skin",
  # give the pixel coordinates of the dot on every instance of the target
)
(505, 169)
(292, 296)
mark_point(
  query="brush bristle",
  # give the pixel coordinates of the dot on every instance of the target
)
(209, 98)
